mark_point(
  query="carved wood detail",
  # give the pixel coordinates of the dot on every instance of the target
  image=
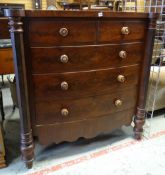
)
(27, 147)
(139, 119)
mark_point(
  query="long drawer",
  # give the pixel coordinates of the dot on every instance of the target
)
(48, 112)
(70, 131)
(69, 59)
(80, 84)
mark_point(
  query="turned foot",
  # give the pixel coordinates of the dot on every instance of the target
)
(27, 149)
(139, 121)
(138, 134)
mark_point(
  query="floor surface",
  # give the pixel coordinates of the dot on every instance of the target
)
(117, 153)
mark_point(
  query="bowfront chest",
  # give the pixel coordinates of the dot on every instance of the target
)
(79, 73)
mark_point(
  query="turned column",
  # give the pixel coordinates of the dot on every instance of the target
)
(16, 32)
(139, 119)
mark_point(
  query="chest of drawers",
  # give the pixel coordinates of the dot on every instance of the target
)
(79, 73)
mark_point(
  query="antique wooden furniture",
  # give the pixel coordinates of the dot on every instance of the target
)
(6, 61)
(6, 54)
(4, 31)
(79, 73)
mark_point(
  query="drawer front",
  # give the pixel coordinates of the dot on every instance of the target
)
(48, 112)
(110, 31)
(69, 59)
(70, 131)
(75, 85)
(55, 32)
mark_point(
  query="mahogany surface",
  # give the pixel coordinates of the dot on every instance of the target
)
(48, 112)
(84, 58)
(110, 31)
(91, 127)
(96, 90)
(89, 32)
(4, 28)
(83, 84)
(6, 61)
(6, 54)
(39, 35)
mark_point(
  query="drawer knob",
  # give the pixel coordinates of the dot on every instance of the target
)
(64, 112)
(118, 102)
(64, 86)
(125, 30)
(63, 32)
(64, 58)
(121, 78)
(122, 54)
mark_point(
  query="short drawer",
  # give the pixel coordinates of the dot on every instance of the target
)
(69, 59)
(48, 112)
(65, 32)
(83, 84)
(121, 31)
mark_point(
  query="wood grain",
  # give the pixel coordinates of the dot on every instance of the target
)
(4, 29)
(47, 60)
(83, 84)
(39, 35)
(91, 73)
(6, 61)
(57, 133)
(110, 31)
(49, 112)
(83, 14)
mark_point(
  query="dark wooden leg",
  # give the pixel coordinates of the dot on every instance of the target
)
(27, 146)
(1, 106)
(139, 121)
(27, 149)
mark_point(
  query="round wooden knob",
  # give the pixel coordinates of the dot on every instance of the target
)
(63, 32)
(64, 58)
(121, 78)
(125, 30)
(118, 103)
(64, 86)
(64, 112)
(122, 54)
